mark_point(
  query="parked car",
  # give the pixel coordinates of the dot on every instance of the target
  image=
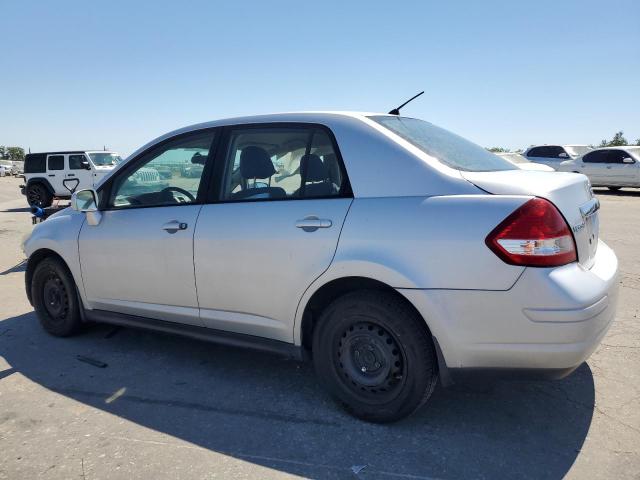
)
(17, 168)
(613, 167)
(553, 155)
(521, 162)
(5, 167)
(52, 175)
(399, 254)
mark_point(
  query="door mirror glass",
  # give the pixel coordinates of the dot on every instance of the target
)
(628, 160)
(563, 155)
(85, 201)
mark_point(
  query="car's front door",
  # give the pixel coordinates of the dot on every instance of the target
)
(138, 260)
(621, 173)
(78, 175)
(281, 198)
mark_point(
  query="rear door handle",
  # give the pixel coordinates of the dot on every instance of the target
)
(174, 225)
(71, 175)
(312, 223)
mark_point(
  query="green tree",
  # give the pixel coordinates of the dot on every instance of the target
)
(617, 140)
(3, 152)
(15, 153)
(498, 150)
(638, 142)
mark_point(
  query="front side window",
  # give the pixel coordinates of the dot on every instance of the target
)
(169, 175)
(448, 148)
(75, 162)
(276, 163)
(55, 162)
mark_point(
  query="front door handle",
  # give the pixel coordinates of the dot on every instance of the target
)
(71, 175)
(174, 225)
(312, 223)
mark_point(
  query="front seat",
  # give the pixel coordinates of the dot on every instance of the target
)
(255, 163)
(316, 178)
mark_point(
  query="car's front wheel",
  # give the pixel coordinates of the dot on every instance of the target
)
(54, 298)
(374, 355)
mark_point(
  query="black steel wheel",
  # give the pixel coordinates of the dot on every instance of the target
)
(54, 298)
(375, 355)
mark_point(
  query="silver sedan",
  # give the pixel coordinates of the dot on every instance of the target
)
(385, 249)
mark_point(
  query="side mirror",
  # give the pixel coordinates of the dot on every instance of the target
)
(628, 160)
(563, 155)
(85, 201)
(86, 165)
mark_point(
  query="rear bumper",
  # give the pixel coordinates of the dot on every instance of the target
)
(551, 320)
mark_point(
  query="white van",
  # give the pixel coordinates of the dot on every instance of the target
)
(52, 175)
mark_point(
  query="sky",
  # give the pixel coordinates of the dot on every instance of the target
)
(80, 74)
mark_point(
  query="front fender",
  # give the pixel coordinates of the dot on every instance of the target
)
(59, 234)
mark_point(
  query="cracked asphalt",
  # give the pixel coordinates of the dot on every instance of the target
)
(168, 407)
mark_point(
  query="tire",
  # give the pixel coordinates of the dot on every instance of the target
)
(55, 299)
(39, 196)
(614, 189)
(374, 355)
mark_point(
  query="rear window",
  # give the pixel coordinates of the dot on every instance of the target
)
(448, 148)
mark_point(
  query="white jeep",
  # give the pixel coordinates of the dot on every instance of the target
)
(52, 175)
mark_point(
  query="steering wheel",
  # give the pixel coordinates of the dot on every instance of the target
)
(181, 191)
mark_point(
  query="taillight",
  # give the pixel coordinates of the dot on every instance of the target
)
(535, 235)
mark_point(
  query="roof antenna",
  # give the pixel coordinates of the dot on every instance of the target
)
(396, 111)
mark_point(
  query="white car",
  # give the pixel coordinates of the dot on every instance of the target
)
(613, 167)
(521, 162)
(5, 167)
(553, 155)
(392, 253)
(57, 174)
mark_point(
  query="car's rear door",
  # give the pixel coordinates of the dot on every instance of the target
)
(139, 259)
(55, 173)
(280, 199)
(595, 167)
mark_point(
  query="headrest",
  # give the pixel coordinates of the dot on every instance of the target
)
(312, 169)
(255, 163)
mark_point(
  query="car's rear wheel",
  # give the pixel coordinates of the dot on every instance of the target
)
(614, 189)
(54, 298)
(375, 356)
(38, 196)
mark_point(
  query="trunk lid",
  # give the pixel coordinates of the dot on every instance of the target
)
(569, 192)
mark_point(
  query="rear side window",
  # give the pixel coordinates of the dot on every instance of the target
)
(55, 162)
(595, 157)
(448, 148)
(35, 163)
(277, 163)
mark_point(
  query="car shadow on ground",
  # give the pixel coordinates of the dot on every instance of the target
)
(16, 210)
(617, 193)
(270, 411)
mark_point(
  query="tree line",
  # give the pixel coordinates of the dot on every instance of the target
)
(11, 153)
(618, 140)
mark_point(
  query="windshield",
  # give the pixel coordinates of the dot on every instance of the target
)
(104, 159)
(577, 150)
(448, 148)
